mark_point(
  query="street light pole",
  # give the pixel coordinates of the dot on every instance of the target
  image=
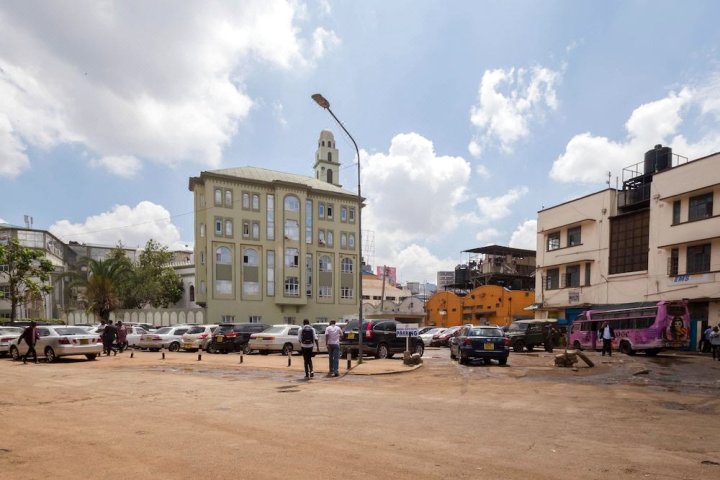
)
(324, 103)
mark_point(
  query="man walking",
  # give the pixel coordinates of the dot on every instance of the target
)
(121, 336)
(30, 335)
(607, 333)
(333, 333)
(307, 337)
(108, 336)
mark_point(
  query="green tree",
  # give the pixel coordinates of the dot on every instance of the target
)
(27, 273)
(99, 280)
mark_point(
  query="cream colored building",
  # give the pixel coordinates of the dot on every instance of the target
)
(276, 247)
(656, 239)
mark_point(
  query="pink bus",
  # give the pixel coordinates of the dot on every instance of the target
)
(649, 329)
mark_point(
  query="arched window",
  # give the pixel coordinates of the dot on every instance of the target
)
(192, 293)
(292, 204)
(223, 271)
(222, 256)
(325, 264)
(346, 265)
(329, 156)
(250, 257)
(329, 176)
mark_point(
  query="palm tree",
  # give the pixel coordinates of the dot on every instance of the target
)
(100, 279)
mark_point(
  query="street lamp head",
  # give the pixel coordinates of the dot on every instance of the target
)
(320, 100)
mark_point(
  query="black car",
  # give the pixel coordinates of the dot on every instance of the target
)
(379, 339)
(234, 337)
(475, 341)
(527, 334)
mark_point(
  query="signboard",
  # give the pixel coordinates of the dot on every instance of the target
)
(573, 296)
(407, 330)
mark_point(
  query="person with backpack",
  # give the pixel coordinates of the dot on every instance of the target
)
(307, 337)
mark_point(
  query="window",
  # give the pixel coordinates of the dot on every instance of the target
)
(321, 210)
(629, 242)
(292, 231)
(329, 211)
(251, 288)
(256, 201)
(676, 212)
(292, 287)
(701, 207)
(308, 221)
(552, 277)
(321, 237)
(202, 230)
(246, 229)
(192, 293)
(218, 226)
(270, 217)
(698, 258)
(329, 238)
(351, 214)
(228, 228)
(223, 271)
(291, 257)
(346, 265)
(202, 258)
(255, 319)
(587, 274)
(292, 204)
(343, 214)
(553, 241)
(572, 276)
(250, 257)
(351, 240)
(343, 240)
(218, 197)
(202, 200)
(222, 256)
(673, 262)
(308, 274)
(270, 285)
(227, 318)
(573, 237)
(325, 263)
(346, 292)
(245, 201)
(228, 198)
(256, 231)
(325, 292)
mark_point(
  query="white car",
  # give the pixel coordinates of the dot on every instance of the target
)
(7, 335)
(165, 337)
(278, 338)
(60, 341)
(428, 334)
(197, 337)
(133, 335)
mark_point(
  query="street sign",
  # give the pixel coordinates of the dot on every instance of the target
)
(406, 330)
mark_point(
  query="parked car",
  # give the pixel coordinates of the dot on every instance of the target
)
(165, 337)
(441, 339)
(234, 337)
(198, 337)
(320, 328)
(527, 334)
(480, 341)
(379, 339)
(278, 338)
(426, 329)
(427, 335)
(57, 341)
(7, 335)
(133, 336)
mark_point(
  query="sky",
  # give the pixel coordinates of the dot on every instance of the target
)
(470, 116)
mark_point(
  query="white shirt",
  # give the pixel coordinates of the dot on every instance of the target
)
(606, 333)
(332, 335)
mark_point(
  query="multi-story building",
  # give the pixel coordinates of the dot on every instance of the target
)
(656, 239)
(445, 278)
(276, 247)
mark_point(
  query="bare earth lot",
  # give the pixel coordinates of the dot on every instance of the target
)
(147, 418)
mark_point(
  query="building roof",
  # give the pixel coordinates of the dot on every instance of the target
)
(272, 176)
(501, 250)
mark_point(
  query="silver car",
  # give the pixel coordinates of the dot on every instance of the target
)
(166, 337)
(197, 337)
(57, 341)
(7, 335)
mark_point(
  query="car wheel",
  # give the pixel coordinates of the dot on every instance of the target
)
(419, 348)
(487, 361)
(14, 353)
(264, 352)
(246, 349)
(91, 356)
(211, 348)
(50, 355)
(382, 351)
(502, 361)
(626, 348)
(174, 347)
(529, 347)
(287, 349)
(651, 352)
(518, 346)
(576, 345)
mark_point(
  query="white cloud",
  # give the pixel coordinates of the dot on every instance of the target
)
(482, 170)
(412, 193)
(588, 158)
(525, 235)
(509, 101)
(278, 113)
(417, 263)
(2, 220)
(122, 166)
(112, 78)
(495, 208)
(487, 235)
(131, 226)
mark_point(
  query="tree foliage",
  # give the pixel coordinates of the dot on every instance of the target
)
(27, 273)
(99, 280)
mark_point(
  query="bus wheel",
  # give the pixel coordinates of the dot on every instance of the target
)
(626, 348)
(576, 345)
(651, 352)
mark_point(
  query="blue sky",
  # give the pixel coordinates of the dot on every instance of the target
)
(470, 115)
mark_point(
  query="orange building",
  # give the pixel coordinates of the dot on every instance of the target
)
(483, 305)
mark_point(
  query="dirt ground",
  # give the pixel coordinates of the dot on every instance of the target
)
(147, 418)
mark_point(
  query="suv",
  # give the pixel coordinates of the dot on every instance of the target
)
(379, 339)
(234, 337)
(526, 334)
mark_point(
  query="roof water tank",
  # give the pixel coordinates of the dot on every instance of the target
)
(658, 159)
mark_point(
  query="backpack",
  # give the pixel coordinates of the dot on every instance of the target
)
(307, 335)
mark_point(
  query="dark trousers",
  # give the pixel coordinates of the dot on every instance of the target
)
(31, 348)
(307, 360)
(108, 347)
(715, 351)
(607, 347)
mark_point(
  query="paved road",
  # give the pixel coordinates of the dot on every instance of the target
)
(145, 418)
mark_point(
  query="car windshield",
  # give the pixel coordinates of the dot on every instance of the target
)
(223, 328)
(196, 330)
(275, 330)
(11, 330)
(164, 330)
(71, 331)
(486, 332)
(434, 331)
(517, 327)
